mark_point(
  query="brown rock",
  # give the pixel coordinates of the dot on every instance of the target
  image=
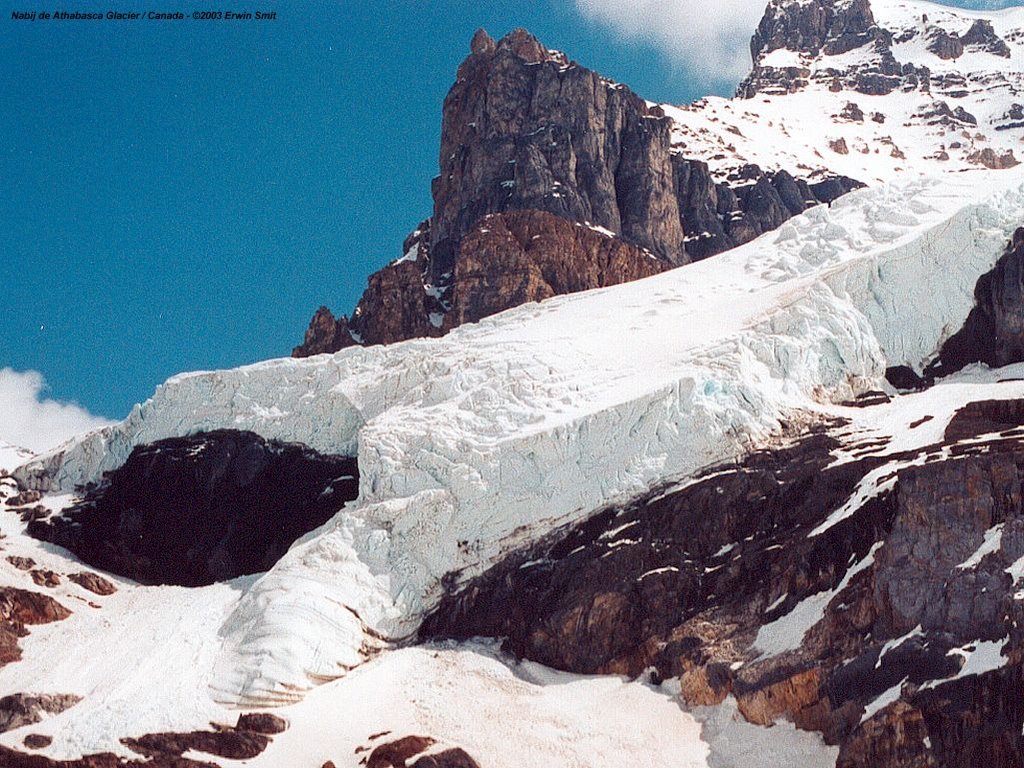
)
(21, 709)
(523, 256)
(18, 608)
(395, 754)
(37, 741)
(449, 758)
(325, 334)
(261, 722)
(895, 736)
(228, 743)
(990, 159)
(44, 578)
(93, 582)
(839, 146)
(516, 124)
(482, 44)
(790, 696)
(24, 498)
(39, 512)
(23, 607)
(21, 563)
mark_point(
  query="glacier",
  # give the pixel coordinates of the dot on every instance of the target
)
(474, 443)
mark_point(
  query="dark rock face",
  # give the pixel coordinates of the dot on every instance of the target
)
(981, 36)
(159, 750)
(524, 128)
(405, 751)
(37, 741)
(597, 593)
(514, 258)
(325, 334)
(532, 141)
(994, 330)
(684, 579)
(945, 45)
(827, 27)
(818, 27)
(261, 722)
(21, 709)
(19, 609)
(93, 582)
(722, 215)
(196, 510)
(24, 498)
(229, 743)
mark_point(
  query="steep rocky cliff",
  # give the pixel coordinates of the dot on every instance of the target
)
(200, 509)
(527, 130)
(857, 588)
(890, 625)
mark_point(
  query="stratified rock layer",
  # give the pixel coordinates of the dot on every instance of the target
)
(753, 581)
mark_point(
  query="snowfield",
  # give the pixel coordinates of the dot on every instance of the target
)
(476, 442)
(896, 136)
(12, 456)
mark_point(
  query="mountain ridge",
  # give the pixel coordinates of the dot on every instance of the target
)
(710, 480)
(526, 132)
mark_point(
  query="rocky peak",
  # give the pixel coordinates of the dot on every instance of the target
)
(983, 36)
(820, 26)
(800, 41)
(533, 142)
(524, 127)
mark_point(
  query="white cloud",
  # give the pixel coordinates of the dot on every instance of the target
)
(29, 420)
(709, 38)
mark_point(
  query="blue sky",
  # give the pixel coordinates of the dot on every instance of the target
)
(183, 196)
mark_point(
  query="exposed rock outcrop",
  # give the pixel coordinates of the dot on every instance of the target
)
(410, 752)
(994, 330)
(93, 582)
(159, 750)
(526, 128)
(944, 44)
(981, 36)
(19, 609)
(522, 256)
(21, 709)
(763, 581)
(326, 333)
(195, 510)
(996, 161)
(37, 741)
(532, 141)
(261, 722)
(828, 28)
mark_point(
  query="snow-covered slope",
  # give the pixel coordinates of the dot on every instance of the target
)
(811, 129)
(478, 441)
(11, 456)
